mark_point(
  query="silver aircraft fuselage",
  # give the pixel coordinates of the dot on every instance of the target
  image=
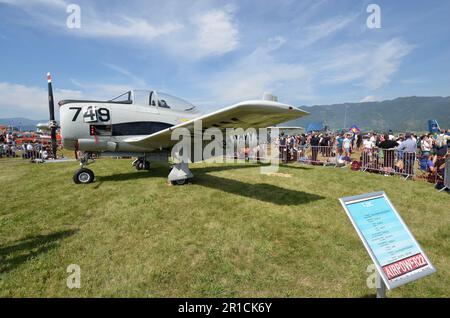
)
(99, 126)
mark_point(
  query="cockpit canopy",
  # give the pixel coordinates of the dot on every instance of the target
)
(153, 98)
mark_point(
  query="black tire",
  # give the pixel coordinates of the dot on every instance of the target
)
(180, 182)
(147, 165)
(83, 176)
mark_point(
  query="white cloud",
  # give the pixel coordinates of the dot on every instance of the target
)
(369, 65)
(136, 81)
(260, 72)
(29, 101)
(17, 100)
(100, 91)
(207, 32)
(26, 3)
(370, 98)
(126, 27)
(385, 62)
(216, 33)
(325, 29)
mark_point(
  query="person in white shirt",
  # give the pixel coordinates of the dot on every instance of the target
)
(390, 135)
(426, 145)
(373, 140)
(30, 151)
(347, 145)
(367, 144)
(367, 149)
(44, 154)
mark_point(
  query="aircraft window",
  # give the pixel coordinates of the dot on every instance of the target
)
(152, 98)
(124, 98)
(168, 101)
(141, 97)
(163, 103)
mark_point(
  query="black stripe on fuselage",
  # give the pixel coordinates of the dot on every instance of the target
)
(138, 128)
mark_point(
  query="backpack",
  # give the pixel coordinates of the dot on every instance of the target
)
(356, 165)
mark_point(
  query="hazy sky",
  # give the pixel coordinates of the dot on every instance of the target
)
(215, 53)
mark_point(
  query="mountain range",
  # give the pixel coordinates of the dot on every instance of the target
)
(23, 124)
(400, 114)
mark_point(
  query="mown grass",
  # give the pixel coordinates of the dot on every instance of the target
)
(233, 232)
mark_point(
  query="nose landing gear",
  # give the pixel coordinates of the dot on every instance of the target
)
(84, 175)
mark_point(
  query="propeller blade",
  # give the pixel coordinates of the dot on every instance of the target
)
(51, 107)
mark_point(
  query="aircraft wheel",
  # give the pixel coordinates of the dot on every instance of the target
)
(179, 182)
(147, 165)
(83, 176)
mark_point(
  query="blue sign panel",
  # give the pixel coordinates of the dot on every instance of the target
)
(396, 254)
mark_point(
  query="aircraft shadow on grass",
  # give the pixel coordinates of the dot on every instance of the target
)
(18, 252)
(162, 172)
(260, 191)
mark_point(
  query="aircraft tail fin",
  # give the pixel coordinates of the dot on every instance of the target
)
(433, 126)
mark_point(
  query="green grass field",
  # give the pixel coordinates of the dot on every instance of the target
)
(233, 232)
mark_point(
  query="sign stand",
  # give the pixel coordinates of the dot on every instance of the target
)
(397, 256)
(381, 287)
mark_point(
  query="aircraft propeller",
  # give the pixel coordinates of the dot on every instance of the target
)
(52, 123)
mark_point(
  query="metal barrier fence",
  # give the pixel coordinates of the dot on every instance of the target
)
(446, 184)
(321, 155)
(24, 154)
(250, 153)
(389, 161)
(318, 155)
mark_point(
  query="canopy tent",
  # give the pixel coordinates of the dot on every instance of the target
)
(315, 126)
(355, 129)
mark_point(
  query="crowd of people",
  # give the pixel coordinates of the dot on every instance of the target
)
(346, 143)
(386, 152)
(9, 148)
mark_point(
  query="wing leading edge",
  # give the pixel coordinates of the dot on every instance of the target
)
(255, 114)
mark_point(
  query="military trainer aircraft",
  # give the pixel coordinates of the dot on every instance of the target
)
(140, 123)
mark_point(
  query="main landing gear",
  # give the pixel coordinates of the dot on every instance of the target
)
(180, 174)
(84, 175)
(141, 164)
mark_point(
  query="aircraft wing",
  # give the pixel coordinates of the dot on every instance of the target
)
(255, 114)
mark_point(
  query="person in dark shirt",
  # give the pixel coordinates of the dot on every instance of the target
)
(387, 147)
(315, 141)
(388, 144)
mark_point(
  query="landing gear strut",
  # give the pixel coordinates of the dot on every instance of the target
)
(84, 175)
